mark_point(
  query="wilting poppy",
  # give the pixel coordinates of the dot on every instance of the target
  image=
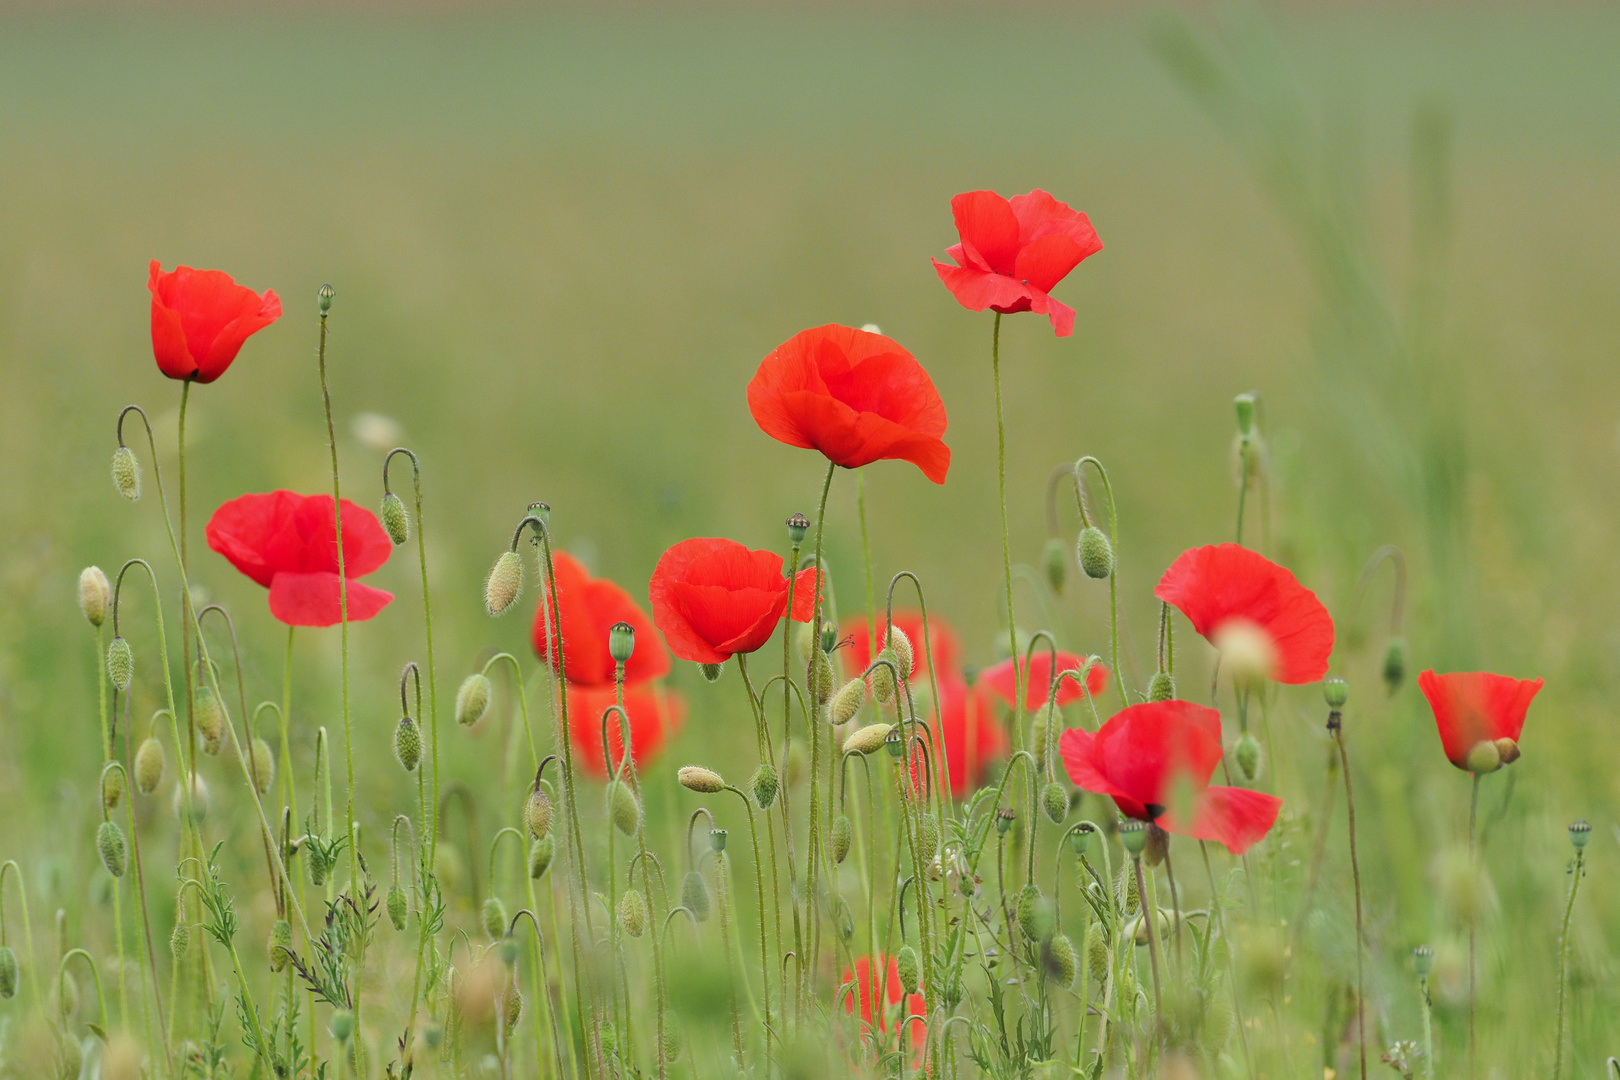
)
(590, 606)
(1475, 707)
(714, 598)
(288, 543)
(655, 717)
(1148, 756)
(1013, 252)
(864, 976)
(200, 318)
(856, 396)
(1000, 679)
(1245, 604)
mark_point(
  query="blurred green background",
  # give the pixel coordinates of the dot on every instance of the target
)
(562, 241)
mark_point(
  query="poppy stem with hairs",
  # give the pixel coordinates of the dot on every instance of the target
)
(813, 847)
(427, 621)
(1231, 965)
(1336, 725)
(1006, 542)
(1563, 957)
(866, 557)
(1473, 855)
(1150, 916)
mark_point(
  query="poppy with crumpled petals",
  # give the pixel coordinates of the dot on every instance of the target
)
(1014, 251)
(200, 318)
(287, 543)
(590, 606)
(655, 716)
(1225, 588)
(1471, 707)
(856, 396)
(1143, 754)
(715, 598)
(999, 679)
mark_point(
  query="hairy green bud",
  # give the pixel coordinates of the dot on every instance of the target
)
(1061, 961)
(1035, 916)
(399, 907)
(494, 918)
(899, 645)
(341, 1025)
(1094, 553)
(279, 945)
(1056, 559)
(712, 672)
(764, 785)
(261, 765)
(408, 744)
(112, 789)
(881, 676)
(504, 583)
(843, 834)
(633, 912)
(472, 700)
(149, 763)
(1246, 753)
(120, 663)
(1161, 687)
(111, 847)
(867, 740)
(823, 680)
(95, 595)
(674, 1040)
(1097, 957)
(624, 808)
(126, 473)
(1394, 670)
(907, 966)
(928, 827)
(209, 717)
(180, 941)
(537, 813)
(395, 520)
(541, 852)
(704, 781)
(8, 973)
(1055, 802)
(512, 1008)
(843, 919)
(847, 702)
(695, 895)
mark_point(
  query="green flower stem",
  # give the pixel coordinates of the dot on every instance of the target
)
(1231, 966)
(1428, 1027)
(785, 793)
(731, 962)
(1113, 576)
(756, 703)
(95, 975)
(1355, 872)
(427, 623)
(813, 856)
(866, 559)
(659, 989)
(1563, 960)
(1473, 832)
(764, 954)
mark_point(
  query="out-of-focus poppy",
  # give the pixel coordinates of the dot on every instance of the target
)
(1472, 708)
(865, 977)
(590, 606)
(655, 717)
(1000, 679)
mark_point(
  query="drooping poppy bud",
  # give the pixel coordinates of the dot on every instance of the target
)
(120, 663)
(882, 676)
(149, 766)
(1056, 559)
(541, 852)
(697, 778)
(1162, 687)
(537, 813)
(1094, 553)
(764, 786)
(1246, 754)
(504, 583)
(261, 765)
(398, 907)
(633, 912)
(843, 919)
(408, 744)
(843, 834)
(928, 828)
(126, 473)
(1394, 669)
(867, 740)
(112, 789)
(180, 940)
(1061, 961)
(624, 807)
(1098, 960)
(111, 847)
(695, 895)
(394, 518)
(209, 717)
(1055, 801)
(472, 700)
(847, 702)
(95, 595)
(279, 945)
(909, 970)
(1035, 916)
(494, 918)
(8, 973)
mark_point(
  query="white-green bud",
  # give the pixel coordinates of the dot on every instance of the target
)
(395, 520)
(472, 700)
(494, 918)
(95, 595)
(695, 895)
(624, 808)
(126, 473)
(633, 913)
(867, 740)
(179, 941)
(209, 717)
(843, 834)
(504, 583)
(149, 764)
(112, 849)
(1061, 961)
(847, 702)
(704, 781)
(541, 852)
(1161, 687)
(1055, 801)
(261, 765)
(1094, 553)
(120, 663)
(909, 970)
(341, 1025)
(537, 813)
(408, 744)
(112, 789)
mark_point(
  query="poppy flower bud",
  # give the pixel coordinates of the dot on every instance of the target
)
(1485, 757)
(149, 766)
(621, 642)
(1507, 750)
(120, 663)
(866, 740)
(1579, 833)
(317, 867)
(8, 972)
(904, 656)
(209, 717)
(625, 807)
(1394, 664)
(843, 834)
(1035, 917)
(697, 778)
(764, 786)
(261, 765)
(847, 702)
(95, 595)
(1133, 835)
(1056, 558)
(279, 944)
(494, 918)
(341, 1025)
(112, 789)
(1246, 753)
(323, 300)
(907, 966)
(472, 700)
(408, 744)
(180, 941)
(1161, 687)
(797, 526)
(537, 813)
(798, 761)
(1055, 801)
(929, 828)
(695, 895)
(1061, 961)
(717, 839)
(843, 919)
(541, 852)
(1094, 553)
(823, 680)
(1422, 961)
(504, 583)
(674, 1041)
(633, 913)
(126, 473)
(394, 519)
(512, 1006)
(111, 847)
(1004, 820)
(398, 907)
(881, 676)
(711, 672)
(1097, 959)
(1335, 692)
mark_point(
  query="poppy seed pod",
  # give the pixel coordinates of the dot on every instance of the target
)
(1244, 404)
(261, 764)
(1055, 801)
(1080, 840)
(112, 849)
(494, 918)
(341, 1025)
(1394, 669)
(1056, 559)
(398, 906)
(717, 839)
(472, 700)
(866, 740)
(126, 473)
(8, 973)
(1507, 750)
(408, 744)
(829, 635)
(95, 595)
(624, 808)
(928, 827)
(843, 834)
(847, 702)
(1097, 959)
(541, 852)
(1246, 753)
(112, 789)
(697, 778)
(1133, 835)
(504, 583)
(537, 813)
(764, 786)
(797, 526)
(394, 518)
(120, 663)
(1061, 961)
(1579, 833)
(1485, 757)
(1004, 820)
(695, 895)
(621, 642)
(1162, 687)
(180, 941)
(1422, 961)
(906, 966)
(209, 718)
(279, 944)
(711, 672)
(1335, 692)
(633, 912)
(1094, 553)
(149, 766)
(895, 742)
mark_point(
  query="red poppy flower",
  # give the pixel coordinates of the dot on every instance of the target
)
(1013, 251)
(200, 318)
(590, 607)
(1000, 679)
(287, 543)
(864, 976)
(856, 396)
(946, 650)
(1145, 753)
(1229, 592)
(972, 735)
(715, 598)
(655, 718)
(1473, 707)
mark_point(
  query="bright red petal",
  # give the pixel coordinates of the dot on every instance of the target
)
(713, 598)
(1471, 707)
(976, 290)
(1236, 817)
(1001, 679)
(986, 221)
(215, 317)
(947, 650)
(1142, 752)
(655, 717)
(311, 599)
(590, 608)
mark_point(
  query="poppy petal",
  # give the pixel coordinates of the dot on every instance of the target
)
(311, 599)
(1471, 707)
(655, 716)
(1001, 678)
(986, 221)
(1236, 817)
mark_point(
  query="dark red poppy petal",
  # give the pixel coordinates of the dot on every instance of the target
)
(1471, 707)
(311, 599)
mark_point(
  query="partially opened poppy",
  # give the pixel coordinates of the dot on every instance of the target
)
(1479, 715)
(590, 606)
(288, 543)
(715, 598)
(200, 318)
(1252, 610)
(1013, 251)
(865, 977)
(1000, 679)
(1156, 755)
(856, 396)
(655, 717)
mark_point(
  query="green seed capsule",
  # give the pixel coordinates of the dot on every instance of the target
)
(712, 672)
(1161, 687)
(624, 808)
(120, 663)
(494, 916)
(408, 744)
(341, 1025)
(398, 907)
(537, 813)
(279, 944)
(1055, 801)
(472, 700)
(149, 765)
(395, 520)
(111, 847)
(633, 913)
(843, 833)
(764, 785)
(126, 473)
(1061, 960)
(541, 852)
(695, 895)
(909, 971)
(1247, 755)
(1094, 553)
(504, 583)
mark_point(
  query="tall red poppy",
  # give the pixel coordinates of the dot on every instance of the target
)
(1013, 252)
(655, 717)
(590, 606)
(1228, 592)
(288, 543)
(200, 318)
(714, 598)
(1000, 678)
(865, 978)
(1146, 755)
(856, 396)
(1473, 707)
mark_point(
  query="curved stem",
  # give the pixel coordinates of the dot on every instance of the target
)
(1113, 576)
(95, 974)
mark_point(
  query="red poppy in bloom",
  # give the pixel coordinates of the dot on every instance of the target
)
(715, 598)
(1147, 755)
(1013, 251)
(864, 976)
(856, 396)
(287, 543)
(200, 318)
(1474, 707)
(590, 606)
(999, 679)
(655, 718)
(1242, 602)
